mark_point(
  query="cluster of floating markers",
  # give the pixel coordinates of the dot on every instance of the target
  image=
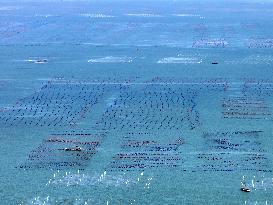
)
(137, 155)
(210, 43)
(156, 107)
(233, 151)
(198, 84)
(250, 102)
(158, 104)
(234, 141)
(9, 30)
(261, 88)
(260, 43)
(243, 107)
(57, 151)
(142, 112)
(58, 103)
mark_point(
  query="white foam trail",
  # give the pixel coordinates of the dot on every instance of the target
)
(181, 60)
(46, 15)
(253, 60)
(96, 15)
(187, 15)
(144, 15)
(39, 201)
(111, 59)
(36, 61)
(87, 180)
(8, 8)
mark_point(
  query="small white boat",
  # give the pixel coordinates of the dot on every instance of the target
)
(40, 61)
(245, 189)
(78, 149)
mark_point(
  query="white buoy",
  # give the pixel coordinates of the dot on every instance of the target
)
(252, 181)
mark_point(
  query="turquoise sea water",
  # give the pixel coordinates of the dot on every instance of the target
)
(169, 101)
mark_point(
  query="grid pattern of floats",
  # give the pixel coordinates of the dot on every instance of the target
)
(139, 112)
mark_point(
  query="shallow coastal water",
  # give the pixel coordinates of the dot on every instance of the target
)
(170, 102)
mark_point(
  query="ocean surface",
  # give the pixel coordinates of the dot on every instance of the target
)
(136, 102)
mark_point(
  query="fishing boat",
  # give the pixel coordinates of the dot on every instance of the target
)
(245, 189)
(78, 149)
